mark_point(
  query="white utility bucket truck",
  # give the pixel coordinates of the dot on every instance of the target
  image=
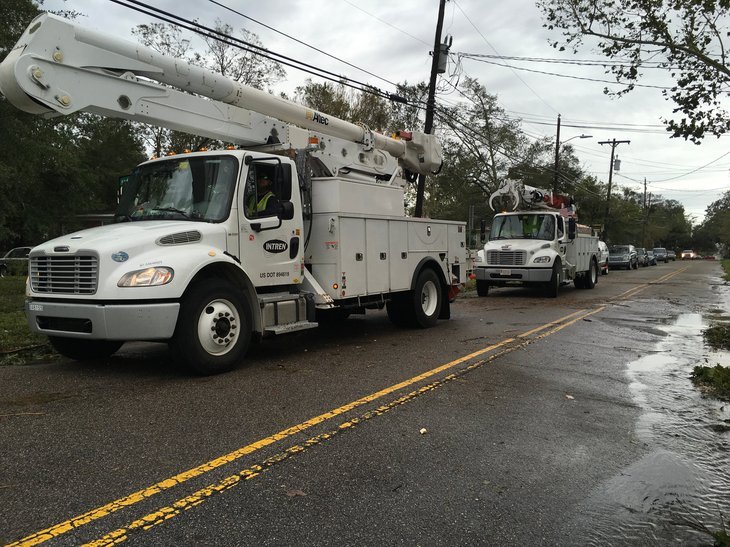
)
(203, 256)
(538, 242)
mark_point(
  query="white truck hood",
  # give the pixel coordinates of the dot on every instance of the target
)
(530, 245)
(129, 237)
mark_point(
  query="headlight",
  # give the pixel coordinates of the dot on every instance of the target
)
(150, 277)
(542, 260)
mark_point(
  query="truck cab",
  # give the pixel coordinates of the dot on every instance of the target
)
(539, 246)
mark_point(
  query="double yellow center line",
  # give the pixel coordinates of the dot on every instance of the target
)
(164, 513)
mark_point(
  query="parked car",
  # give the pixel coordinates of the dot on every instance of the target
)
(14, 261)
(688, 254)
(603, 257)
(671, 255)
(652, 259)
(661, 254)
(623, 256)
(642, 257)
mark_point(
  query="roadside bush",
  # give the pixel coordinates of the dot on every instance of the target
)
(17, 267)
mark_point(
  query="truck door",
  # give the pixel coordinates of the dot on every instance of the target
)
(271, 222)
(562, 234)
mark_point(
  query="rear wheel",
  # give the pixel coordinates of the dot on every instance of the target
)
(420, 307)
(591, 277)
(213, 330)
(84, 350)
(482, 287)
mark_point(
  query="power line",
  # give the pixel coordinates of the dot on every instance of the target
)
(495, 50)
(301, 42)
(632, 85)
(214, 34)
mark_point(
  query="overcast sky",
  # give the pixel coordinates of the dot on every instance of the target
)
(392, 40)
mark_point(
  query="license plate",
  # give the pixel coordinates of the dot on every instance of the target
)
(35, 307)
(505, 272)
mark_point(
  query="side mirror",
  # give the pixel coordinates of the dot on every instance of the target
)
(483, 231)
(571, 228)
(287, 209)
(283, 191)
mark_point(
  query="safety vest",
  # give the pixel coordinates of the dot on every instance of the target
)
(254, 207)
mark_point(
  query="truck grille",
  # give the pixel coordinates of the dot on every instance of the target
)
(67, 274)
(506, 258)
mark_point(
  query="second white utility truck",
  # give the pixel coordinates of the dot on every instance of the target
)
(302, 222)
(537, 243)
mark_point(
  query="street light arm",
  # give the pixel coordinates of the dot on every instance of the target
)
(578, 137)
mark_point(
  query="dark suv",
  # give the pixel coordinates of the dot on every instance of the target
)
(661, 254)
(623, 256)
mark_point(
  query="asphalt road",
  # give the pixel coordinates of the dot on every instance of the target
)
(496, 427)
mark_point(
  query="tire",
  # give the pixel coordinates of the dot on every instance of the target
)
(427, 299)
(80, 349)
(635, 266)
(398, 312)
(482, 287)
(3, 270)
(213, 329)
(605, 271)
(553, 286)
(580, 282)
(420, 307)
(591, 278)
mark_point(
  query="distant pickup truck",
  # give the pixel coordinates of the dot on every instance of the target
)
(688, 254)
(19, 256)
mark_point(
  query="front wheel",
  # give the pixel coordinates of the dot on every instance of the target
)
(213, 329)
(553, 286)
(84, 350)
(482, 287)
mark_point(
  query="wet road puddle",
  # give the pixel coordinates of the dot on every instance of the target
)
(679, 492)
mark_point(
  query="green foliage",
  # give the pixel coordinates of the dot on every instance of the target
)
(715, 230)
(14, 332)
(716, 379)
(686, 38)
(222, 58)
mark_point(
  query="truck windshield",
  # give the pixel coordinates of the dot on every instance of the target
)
(195, 188)
(533, 226)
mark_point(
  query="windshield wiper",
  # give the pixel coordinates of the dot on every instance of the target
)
(171, 210)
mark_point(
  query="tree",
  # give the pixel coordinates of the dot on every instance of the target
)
(481, 144)
(716, 226)
(326, 98)
(223, 57)
(242, 65)
(52, 170)
(688, 38)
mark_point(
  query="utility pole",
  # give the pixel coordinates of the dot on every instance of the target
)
(557, 160)
(646, 218)
(431, 101)
(614, 143)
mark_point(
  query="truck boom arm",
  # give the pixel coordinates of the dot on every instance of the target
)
(59, 67)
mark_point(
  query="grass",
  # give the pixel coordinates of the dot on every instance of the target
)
(715, 380)
(725, 263)
(17, 344)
